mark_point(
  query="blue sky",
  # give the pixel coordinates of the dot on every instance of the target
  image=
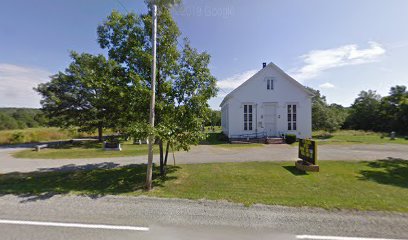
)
(339, 47)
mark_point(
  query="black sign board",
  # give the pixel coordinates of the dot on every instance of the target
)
(308, 151)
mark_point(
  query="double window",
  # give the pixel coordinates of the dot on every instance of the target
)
(247, 117)
(292, 118)
(269, 84)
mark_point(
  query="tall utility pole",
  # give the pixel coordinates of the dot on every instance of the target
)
(152, 101)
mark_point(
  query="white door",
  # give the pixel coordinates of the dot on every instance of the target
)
(269, 119)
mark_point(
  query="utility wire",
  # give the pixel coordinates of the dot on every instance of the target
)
(123, 6)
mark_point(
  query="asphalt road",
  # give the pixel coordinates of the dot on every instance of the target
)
(208, 153)
(185, 219)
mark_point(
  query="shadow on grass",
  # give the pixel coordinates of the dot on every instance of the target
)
(295, 171)
(93, 180)
(391, 171)
(215, 138)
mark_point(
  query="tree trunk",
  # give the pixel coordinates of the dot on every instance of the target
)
(162, 172)
(100, 136)
(167, 153)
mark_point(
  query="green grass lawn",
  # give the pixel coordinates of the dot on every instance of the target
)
(89, 150)
(378, 185)
(355, 137)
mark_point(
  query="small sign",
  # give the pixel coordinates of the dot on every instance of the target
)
(308, 151)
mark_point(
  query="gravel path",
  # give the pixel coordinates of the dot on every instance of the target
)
(208, 154)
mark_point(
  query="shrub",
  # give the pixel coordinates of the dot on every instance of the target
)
(222, 137)
(17, 137)
(290, 138)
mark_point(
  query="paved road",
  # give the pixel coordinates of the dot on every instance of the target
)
(208, 153)
(185, 219)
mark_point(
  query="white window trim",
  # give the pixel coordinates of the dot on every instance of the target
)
(247, 124)
(272, 83)
(292, 123)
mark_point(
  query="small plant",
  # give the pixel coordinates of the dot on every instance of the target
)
(290, 138)
(17, 137)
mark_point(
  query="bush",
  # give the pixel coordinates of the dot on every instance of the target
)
(290, 138)
(222, 137)
(17, 137)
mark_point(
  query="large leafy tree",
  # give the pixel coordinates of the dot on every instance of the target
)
(364, 112)
(324, 116)
(184, 81)
(90, 94)
(393, 110)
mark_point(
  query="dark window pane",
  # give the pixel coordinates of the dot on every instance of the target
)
(245, 126)
(289, 108)
(250, 125)
(294, 126)
(268, 85)
(272, 84)
(289, 126)
(294, 108)
(245, 108)
(245, 117)
(250, 108)
(294, 117)
(289, 117)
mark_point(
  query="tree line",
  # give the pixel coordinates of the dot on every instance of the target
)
(20, 118)
(370, 111)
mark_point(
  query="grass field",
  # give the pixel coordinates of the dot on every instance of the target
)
(88, 150)
(378, 185)
(355, 137)
(37, 135)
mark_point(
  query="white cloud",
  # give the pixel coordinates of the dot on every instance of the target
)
(317, 61)
(234, 81)
(326, 85)
(17, 83)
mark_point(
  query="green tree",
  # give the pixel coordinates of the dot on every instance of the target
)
(326, 117)
(87, 95)
(365, 111)
(184, 82)
(393, 113)
(7, 122)
(214, 118)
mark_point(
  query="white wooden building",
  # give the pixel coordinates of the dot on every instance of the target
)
(269, 104)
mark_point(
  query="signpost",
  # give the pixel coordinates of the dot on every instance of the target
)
(308, 154)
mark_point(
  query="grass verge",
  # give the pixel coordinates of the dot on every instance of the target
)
(355, 137)
(88, 150)
(376, 185)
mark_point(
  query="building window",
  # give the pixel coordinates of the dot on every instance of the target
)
(292, 117)
(269, 84)
(247, 117)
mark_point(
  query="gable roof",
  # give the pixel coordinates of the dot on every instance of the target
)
(273, 66)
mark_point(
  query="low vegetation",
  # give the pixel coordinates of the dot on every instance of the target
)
(356, 137)
(31, 135)
(376, 185)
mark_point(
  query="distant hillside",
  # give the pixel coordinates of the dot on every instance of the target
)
(19, 118)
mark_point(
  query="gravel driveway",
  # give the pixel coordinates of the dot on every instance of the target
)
(208, 154)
